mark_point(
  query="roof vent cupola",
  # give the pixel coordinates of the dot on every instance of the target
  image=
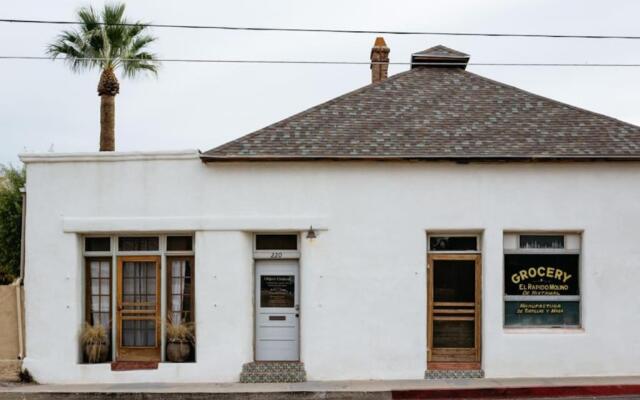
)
(439, 56)
(379, 60)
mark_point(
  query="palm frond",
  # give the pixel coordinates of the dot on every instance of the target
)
(89, 18)
(106, 39)
(140, 62)
(74, 48)
(113, 14)
(140, 43)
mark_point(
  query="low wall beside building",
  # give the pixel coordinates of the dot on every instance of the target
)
(10, 347)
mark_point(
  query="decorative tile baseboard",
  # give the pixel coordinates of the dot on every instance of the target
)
(273, 372)
(454, 374)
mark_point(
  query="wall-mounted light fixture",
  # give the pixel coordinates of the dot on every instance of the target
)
(311, 234)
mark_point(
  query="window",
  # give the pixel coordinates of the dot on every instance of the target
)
(453, 243)
(541, 241)
(277, 291)
(179, 243)
(276, 242)
(542, 281)
(97, 244)
(99, 293)
(138, 243)
(180, 289)
(125, 271)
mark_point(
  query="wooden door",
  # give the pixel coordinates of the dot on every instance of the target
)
(454, 326)
(138, 310)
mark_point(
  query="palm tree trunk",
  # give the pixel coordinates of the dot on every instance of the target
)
(108, 88)
(107, 122)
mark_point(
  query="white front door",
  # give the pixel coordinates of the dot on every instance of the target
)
(277, 310)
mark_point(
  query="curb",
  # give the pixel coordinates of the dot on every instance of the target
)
(330, 395)
(519, 392)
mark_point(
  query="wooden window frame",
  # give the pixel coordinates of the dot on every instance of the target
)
(88, 300)
(87, 292)
(113, 256)
(169, 294)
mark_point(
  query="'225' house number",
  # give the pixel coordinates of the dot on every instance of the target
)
(276, 254)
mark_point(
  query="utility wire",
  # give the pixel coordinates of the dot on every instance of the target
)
(320, 30)
(312, 62)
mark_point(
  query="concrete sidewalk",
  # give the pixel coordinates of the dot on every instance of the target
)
(467, 388)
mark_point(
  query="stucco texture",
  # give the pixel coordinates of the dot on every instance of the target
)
(363, 279)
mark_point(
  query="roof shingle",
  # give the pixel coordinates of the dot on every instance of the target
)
(438, 113)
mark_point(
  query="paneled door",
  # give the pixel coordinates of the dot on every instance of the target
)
(454, 295)
(277, 310)
(138, 310)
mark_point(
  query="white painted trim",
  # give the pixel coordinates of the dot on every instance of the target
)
(109, 156)
(121, 225)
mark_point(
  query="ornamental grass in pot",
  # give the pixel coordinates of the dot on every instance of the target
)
(95, 340)
(180, 337)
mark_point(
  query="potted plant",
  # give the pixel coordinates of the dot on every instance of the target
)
(95, 340)
(180, 336)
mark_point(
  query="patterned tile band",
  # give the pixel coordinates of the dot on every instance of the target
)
(454, 374)
(273, 372)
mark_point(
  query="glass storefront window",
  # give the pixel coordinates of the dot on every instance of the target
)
(541, 283)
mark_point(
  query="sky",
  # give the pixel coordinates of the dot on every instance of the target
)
(45, 107)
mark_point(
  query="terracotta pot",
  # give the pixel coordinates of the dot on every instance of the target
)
(178, 351)
(97, 352)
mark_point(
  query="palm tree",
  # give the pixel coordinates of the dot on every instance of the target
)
(107, 41)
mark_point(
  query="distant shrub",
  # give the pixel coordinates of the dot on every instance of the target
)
(11, 180)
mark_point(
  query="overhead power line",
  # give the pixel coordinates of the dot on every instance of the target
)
(321, 30)
(319, 62)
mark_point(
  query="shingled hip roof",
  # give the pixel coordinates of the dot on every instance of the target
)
(435, 113)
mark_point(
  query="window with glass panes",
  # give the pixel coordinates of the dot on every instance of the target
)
(99, 291)
(180, 289)
(542, 280)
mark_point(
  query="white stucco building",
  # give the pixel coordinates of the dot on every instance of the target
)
(435, 221)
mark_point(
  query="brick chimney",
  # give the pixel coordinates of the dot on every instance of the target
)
(379, 54)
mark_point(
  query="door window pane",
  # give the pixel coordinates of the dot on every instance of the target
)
(138, 333)
(454, 280)
(277, 291)
(139, 282)
(453, 334)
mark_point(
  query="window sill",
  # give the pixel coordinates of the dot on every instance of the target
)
(552, 331)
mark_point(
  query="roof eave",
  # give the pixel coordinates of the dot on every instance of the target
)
(458, 159)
